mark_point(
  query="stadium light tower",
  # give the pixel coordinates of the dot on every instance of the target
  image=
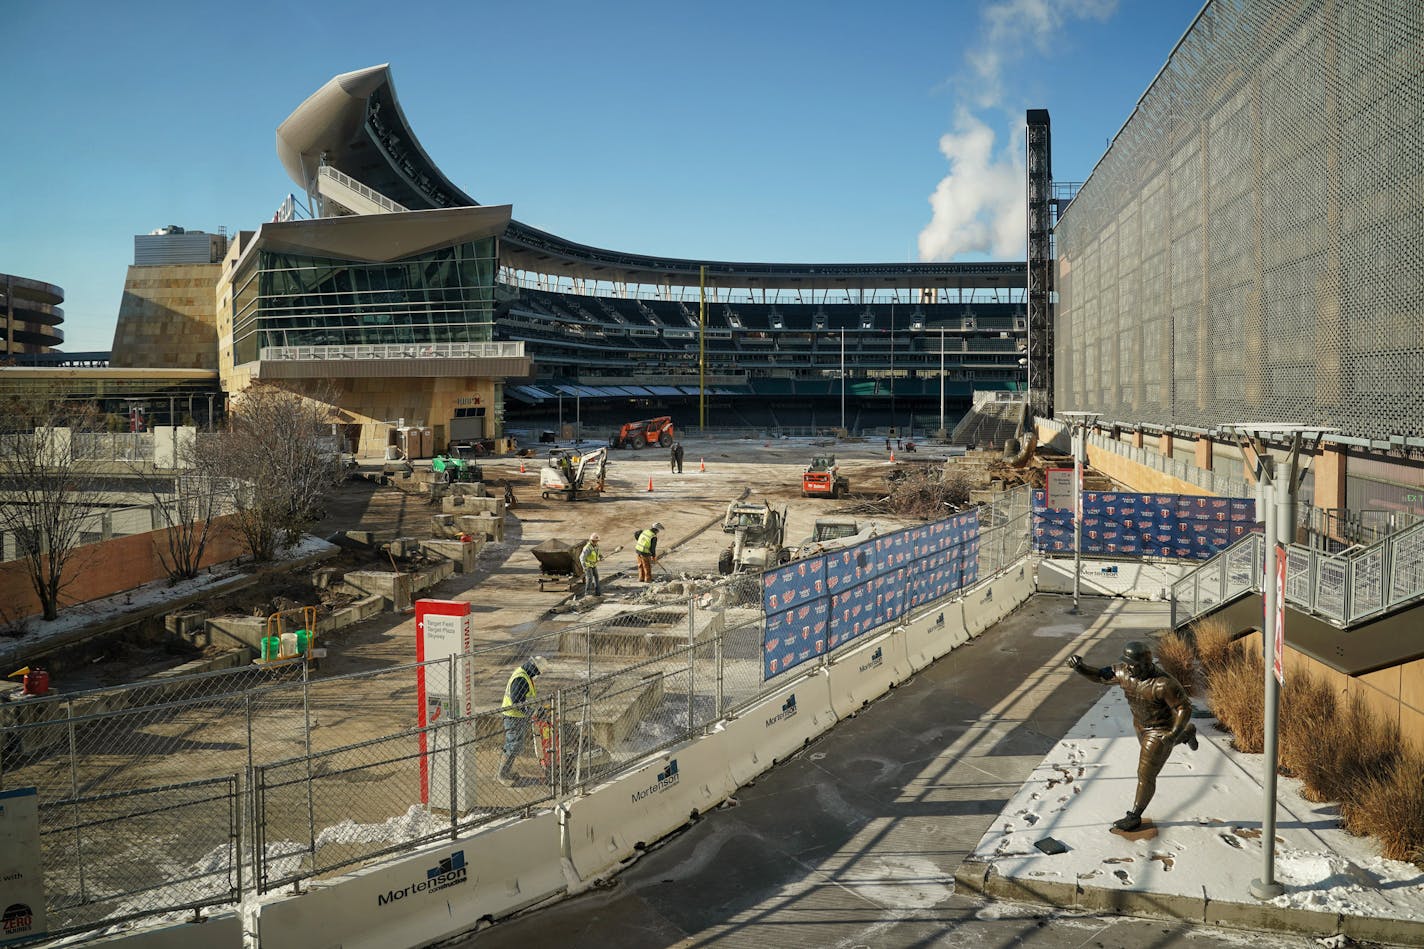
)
(1079, 422)
(1276, 496)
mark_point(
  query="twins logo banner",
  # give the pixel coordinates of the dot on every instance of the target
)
(1117, 524)
(817, 604)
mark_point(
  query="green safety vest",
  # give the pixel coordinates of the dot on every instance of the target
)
(438, 464)
(591, 557)
(645, 541)
(509, 705)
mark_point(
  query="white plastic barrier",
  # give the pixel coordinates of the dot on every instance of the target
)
(933, 634)
(1021, 582)
(860, 676)
(437, 893)
(776, 726)
(988, 603)
(609, 824)
(1137, 579)
(218, 932)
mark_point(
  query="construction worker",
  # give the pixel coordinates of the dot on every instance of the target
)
(590, 558)
(647, 550)
(518, 697)
(677, 457)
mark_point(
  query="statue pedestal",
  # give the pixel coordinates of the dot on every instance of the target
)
(1148, 831)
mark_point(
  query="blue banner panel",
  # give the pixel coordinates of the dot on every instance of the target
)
(794, 636)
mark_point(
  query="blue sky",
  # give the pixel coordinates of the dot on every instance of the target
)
(771, 131)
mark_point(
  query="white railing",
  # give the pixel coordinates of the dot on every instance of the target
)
(488, 350)
(1344, 590)
(351, 184)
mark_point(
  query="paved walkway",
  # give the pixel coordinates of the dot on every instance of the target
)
(856, 841)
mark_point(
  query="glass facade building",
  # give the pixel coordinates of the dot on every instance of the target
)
(441, 296)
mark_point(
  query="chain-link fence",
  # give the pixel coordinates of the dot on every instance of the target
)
(183, 793)
(109, 858)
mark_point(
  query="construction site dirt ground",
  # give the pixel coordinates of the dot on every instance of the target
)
(365, 687)
(504, 590)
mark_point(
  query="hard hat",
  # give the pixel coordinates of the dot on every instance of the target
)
(539, 663)
(658, 526)
(593, 537)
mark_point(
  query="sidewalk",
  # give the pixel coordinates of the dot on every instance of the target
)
(1206, 849)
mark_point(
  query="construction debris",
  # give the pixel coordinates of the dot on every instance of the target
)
(921, 492)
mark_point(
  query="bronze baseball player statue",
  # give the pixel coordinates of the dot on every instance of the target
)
(1161, 715)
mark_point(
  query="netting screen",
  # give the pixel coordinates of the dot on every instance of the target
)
(1251, 247)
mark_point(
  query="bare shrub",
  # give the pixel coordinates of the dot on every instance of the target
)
(1312, 733)
(1177, 658)
(1235, 697)
(1389, 806)
(1213, 639)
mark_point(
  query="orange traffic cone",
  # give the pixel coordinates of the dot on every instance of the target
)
(892, 456)
(701, 465)
(521, 464)
(650, 482)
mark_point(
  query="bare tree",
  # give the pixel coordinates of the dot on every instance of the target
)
(49, 488)
(188, 501)
(279, 454)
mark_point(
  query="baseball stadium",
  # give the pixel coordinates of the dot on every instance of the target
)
(1194, 412)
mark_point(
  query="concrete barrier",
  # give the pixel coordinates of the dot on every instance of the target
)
(777, 726)
(218, 932)
(437, 893)
(860, 676)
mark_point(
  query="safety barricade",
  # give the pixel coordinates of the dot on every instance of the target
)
(1021, 582)
(220, 932)
(777, 726)
(934, 633)
(861, 675)
(613, 822)
(438, 893)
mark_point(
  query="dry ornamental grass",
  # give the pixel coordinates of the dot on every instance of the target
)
(1341, 750)
(1177, 658)
(1389, 806)
(1213, 639)
(1235, 697)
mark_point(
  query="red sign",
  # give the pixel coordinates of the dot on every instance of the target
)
(442, 630)
(1280, 623)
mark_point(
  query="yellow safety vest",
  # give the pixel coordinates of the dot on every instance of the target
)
(645, 541)
(591, 556)
(509, 707)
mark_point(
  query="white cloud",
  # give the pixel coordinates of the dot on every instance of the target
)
(979, 206)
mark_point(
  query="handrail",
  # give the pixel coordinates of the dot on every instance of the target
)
(1343, 591)
(375, 197)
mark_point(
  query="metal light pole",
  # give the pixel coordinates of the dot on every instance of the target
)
(941, 382)
(1277, 498)
(893, 426)
(843, 378)
(1080, 421)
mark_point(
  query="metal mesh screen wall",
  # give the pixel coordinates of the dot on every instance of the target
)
(1251, 247)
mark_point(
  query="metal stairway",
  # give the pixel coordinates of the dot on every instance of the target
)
(1355, 614)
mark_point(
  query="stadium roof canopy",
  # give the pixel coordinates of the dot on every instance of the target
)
(354, 124)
